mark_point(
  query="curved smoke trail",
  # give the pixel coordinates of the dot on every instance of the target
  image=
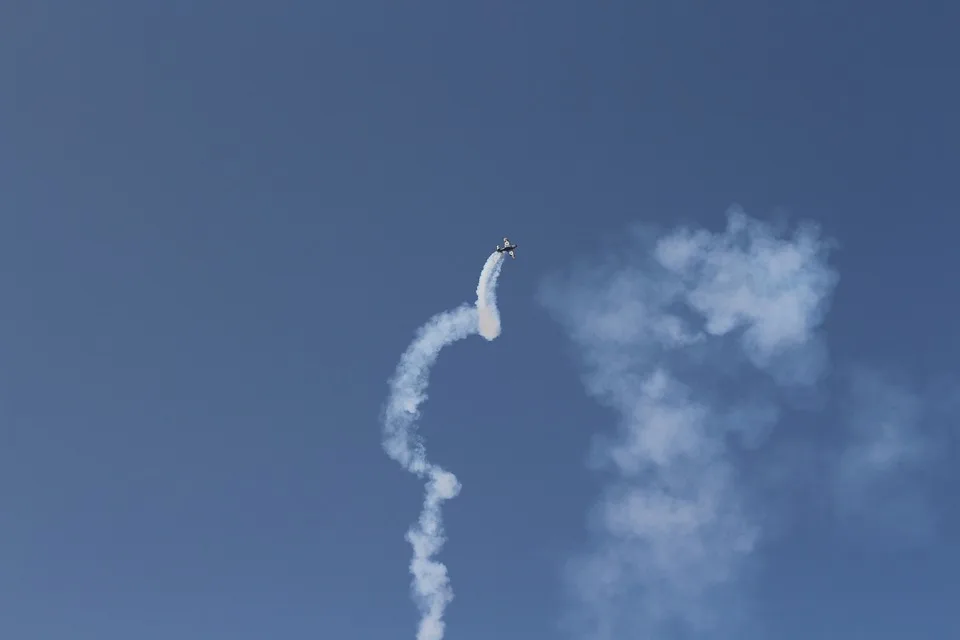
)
(408, 390)
(489, 317)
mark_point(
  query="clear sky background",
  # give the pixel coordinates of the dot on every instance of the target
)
(223, 222)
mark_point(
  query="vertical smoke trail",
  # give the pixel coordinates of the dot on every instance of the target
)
(489, 317)
(408, 390)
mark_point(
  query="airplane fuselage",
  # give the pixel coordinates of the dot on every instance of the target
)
(507, 248)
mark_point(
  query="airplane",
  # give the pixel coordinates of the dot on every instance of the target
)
(507, 247)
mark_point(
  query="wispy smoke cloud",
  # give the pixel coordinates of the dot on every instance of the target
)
(894, 440)
(696, 339)
(661, 331)
(408, 390)
(774, 290)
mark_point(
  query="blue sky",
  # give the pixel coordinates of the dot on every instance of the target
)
(723, 401)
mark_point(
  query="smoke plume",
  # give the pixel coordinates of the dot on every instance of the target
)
(681, 337)
(408, 390)
(489, 317)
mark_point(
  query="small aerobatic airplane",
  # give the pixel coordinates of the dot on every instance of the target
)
(507, 247)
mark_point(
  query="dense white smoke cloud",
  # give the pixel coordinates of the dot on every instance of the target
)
(489, 317)
(408, 390)
(660, 332)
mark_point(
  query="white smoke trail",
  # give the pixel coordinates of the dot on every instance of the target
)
(431, 585)
(409, 384)
(489, 317)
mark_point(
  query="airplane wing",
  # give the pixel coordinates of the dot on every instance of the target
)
(512, 255)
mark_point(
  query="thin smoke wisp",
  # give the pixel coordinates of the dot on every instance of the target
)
(408, 391)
